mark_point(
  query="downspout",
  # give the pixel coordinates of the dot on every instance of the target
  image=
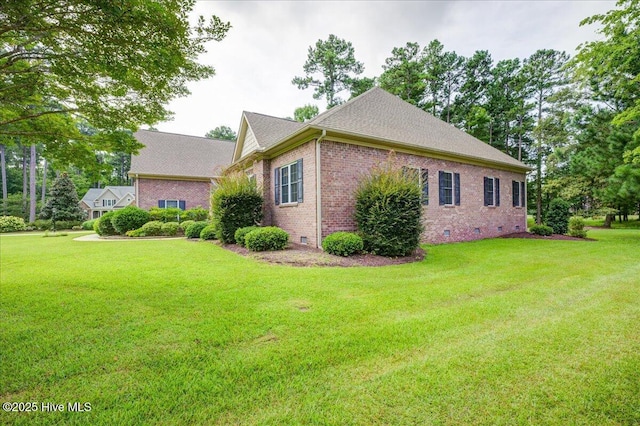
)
(319, 191)
(137, 193)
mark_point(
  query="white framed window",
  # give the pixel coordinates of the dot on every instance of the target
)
(288, 183)
(421, 177)
(108, 203)
(491, 191)
(518, 193)
(172, 204)
(449, 188)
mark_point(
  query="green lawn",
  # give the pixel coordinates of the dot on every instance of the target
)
(501, 331)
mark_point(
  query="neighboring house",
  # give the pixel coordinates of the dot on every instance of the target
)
(98, 201)
(177, 170)
(309, 171)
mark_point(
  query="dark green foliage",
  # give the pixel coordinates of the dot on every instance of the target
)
(170, 229)
(208, 233)
(576, 227)
(152, 229)
(543, 230)
(63, 203)
(103, 226)
(12, 224)
(388, 211)
(194, 230)
(196, 214)
(236, 203)
(241, 233)
(88, 224)
(343, 243)
(129, 218)
(184, 225)
(267, 238)
(557, 216)
(165, 215)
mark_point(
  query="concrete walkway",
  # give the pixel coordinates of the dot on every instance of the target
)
(96, 237)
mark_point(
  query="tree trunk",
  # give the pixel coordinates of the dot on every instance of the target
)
(539, 167)
(44, 181)
(24, 180)
(520, 141)
(608, 219)
(3, 167)
(32, 184)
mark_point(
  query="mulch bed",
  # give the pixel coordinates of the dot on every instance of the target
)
(301, 255)
(541, 237)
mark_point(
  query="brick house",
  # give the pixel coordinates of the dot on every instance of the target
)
(309, 171)
(177, 170)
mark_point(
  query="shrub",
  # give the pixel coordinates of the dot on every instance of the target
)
(184, 225)
(267, 238)
(388, 211)
(343, 243)
(152, 229)
(576, 227)
(208, 233)
(135, 233)
(541, 230)
(197, 214)
(41, 224)
(557, 216)
(236, 203)
(170, 229)
(241, 233)
(103, 226)
(194, 230)
(12, 224)
(129, 218)
(88, 224)
(165, 215)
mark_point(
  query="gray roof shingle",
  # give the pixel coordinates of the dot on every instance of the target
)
(170, 154)
(269, 130)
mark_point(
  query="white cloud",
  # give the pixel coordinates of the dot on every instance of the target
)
(268, 43)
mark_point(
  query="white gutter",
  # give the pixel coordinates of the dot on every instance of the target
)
(136, 192)
(319, 191)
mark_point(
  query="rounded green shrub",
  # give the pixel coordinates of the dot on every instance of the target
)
(103, 226)
(241, 233)
(197, 214)
(235, 203)
(152, 229)
(388, 211)
(88, 224)
(129, 218)
(194, 230)
(170, 229)
(135, 233)
(12, 224)
(343, 243)
(184, 225)
(208, 233)
(576, 227)
(543, 230)
(267, 238)
(557, 216)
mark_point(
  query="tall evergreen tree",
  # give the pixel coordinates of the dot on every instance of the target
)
(63, 203)
(404, 74)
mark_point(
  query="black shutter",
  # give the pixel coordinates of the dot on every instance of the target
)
(182, 204)
(276, 184)
(441, 187)
(496, 191)
(161, 204)
(300, 198)
(424, 174)
(523, 195)
(487, 202)
(515, 190)
(456, 178)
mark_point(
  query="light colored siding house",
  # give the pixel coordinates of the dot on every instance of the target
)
(309, 171)
(177, 170)
(98, 201)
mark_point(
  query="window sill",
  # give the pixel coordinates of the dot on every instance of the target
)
(288, 205)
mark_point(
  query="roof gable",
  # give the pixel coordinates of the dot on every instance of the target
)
(259, 132)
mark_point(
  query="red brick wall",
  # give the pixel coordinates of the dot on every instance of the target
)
(342, 165)
(193, 192)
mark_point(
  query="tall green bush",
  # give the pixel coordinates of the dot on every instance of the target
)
(63, 202)
(129, 218)
(235, 203)
(103, 226)
(576, 227)
(388, 211)
(557, 216)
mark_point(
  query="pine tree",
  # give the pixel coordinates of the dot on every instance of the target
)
(64, 199)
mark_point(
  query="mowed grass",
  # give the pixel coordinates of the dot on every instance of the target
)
(500, 331)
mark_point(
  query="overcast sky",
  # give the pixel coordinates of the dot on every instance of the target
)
(268, 43)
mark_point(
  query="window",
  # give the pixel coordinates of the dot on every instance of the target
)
(491, 191)
(172, 204)
(108, 203)
(421, 176)
(288, 183)
(449, 188)
(519, 196)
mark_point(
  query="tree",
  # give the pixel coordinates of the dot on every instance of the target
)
(404, 74)
(221, 132)
(453, 67)
(63, 203)
(335, 62)
(305, 113)
(361, 85)
(115, 64)
(473, 90)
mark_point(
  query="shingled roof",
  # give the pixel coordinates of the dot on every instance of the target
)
(173, 155)
(383, 117)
